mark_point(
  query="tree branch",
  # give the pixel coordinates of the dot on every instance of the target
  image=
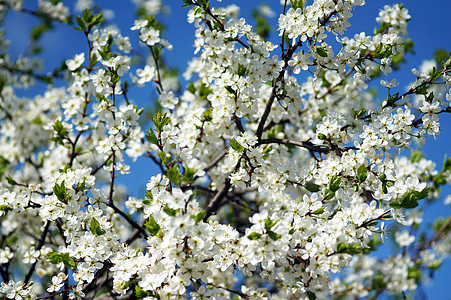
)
(40, 244)
(216, 202)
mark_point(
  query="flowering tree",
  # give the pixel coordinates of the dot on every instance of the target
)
(279, 171)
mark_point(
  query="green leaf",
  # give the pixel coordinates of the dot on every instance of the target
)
(188, 174)
(269, 224)
(395, 204)
(321, 51)
(447, 164)
(274, 236)
(59, 128)
(439, 223)
(295, 4)
(61, 132)
(94, 227)
(202, 3)
(360, 113)
(80, 23)
(140, 293)
(229, 89)
(200, 216)
(440, 55)
(312, 187)
(4, 208)
(60, 192)
(160, 120)
(236, 146)
(164, 158)
(93, 60)
(169, 211)
(435, 73)
(174, 175)
(422, 89)
(349, 249)
(410, 199)
(378, 282)
(191, 88)
(87, 15)
(151, 137)
(56, 258)
(439, 180)
(254, 236)
(328, 194)
(242, 70)
(362, 173)
(115, 78)
(311, 295)
(208, 114)
(318, 211)
(416, 155)
(334, 183)
(414, 273)
(434, 265)
(322, 136)
(447, 64)
(10, 180)
(38, 30)
(152, 226)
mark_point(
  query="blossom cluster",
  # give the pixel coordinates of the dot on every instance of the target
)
(279, 172)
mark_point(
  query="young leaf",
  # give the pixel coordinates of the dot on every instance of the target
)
(318, 211)
(312, 187)
(236, 146)
(311, 295)
(274, 236)
(208, 114)
(164, 158)
(174, 175)
(321, 51)
(60, 192)
(328, 194)
(169, 211)
(140, 293)
(56, 258)
(10, 180)
(254, 236)
(200, 216)
(152, 226)
(94, 227)
(362, 173)
(334, 183)
(269, 224)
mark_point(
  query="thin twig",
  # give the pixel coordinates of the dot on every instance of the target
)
(217, 199)
(40, 244)
(215, 161)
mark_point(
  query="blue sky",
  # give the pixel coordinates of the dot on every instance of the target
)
(429, 28)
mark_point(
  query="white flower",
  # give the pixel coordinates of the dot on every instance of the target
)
(57, 283)
(389, 84)
(146, 74)
(403, 238)
(74, 64)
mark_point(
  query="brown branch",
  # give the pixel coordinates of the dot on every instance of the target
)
(110, 196)
(128, 219)
(304, 144)
(215, 161)
(286, 57)
(40, 244)
(436, 237)
(217, 199)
